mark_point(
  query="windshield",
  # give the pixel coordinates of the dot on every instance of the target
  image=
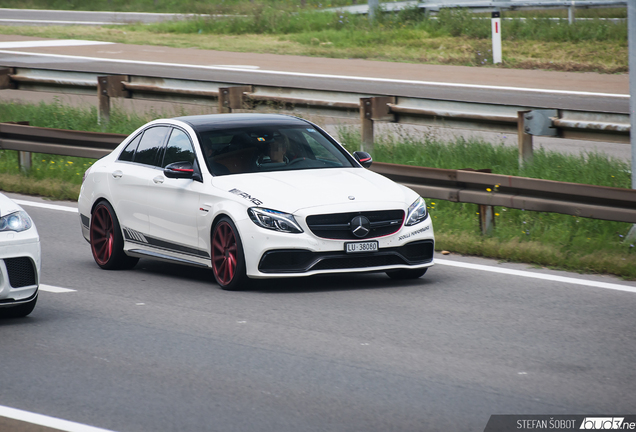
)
(271, 148)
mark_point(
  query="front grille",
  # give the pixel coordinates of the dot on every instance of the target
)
(21, 271)
(301, 261)
(337, 225)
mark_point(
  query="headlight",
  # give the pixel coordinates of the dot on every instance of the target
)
(274, 220)
(18, 221)
(417, 212)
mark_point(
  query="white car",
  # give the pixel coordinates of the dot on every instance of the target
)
(20, 261)
(251, 196)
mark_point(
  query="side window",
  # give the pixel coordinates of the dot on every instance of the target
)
(151, 145)
(179, 148)
(128, 153)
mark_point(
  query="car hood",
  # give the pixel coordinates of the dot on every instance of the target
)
(290, 191)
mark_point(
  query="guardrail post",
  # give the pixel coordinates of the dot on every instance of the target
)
(486, 218)
(373, 109)
(25, 160)
(366, 124)
(107, 87)
(231, 98)
(525, 139)
(5, 79)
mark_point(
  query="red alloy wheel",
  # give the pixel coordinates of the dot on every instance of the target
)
(224, 253)
(102, 235)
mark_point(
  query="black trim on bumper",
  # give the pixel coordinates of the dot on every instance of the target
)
(13, 302)
(21, 271)
(302, 261)
(86, 221)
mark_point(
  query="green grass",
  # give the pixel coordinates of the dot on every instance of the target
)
(426, 150)
(455, 37)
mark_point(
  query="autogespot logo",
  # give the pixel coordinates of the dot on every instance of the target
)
(538, 423)
(605, 423)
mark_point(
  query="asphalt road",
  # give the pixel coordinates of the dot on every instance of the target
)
(162, 348)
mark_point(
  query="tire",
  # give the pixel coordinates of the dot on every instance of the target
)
(19, 311)
(107, 242)
(406, 274)
(228, 260)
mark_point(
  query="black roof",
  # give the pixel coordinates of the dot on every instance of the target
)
(208, 122)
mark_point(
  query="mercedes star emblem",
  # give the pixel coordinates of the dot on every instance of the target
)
(360, 226)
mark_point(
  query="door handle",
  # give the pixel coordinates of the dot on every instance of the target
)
(158, 179)
(117, 174)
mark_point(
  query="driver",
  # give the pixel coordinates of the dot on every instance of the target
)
(275, 151)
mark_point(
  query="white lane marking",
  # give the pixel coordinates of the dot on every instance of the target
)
(237, 67)
(46, 206)
(58, 22)
(323, 76)
(54, 289)
(528, 274)
(48, 43)
(46, 421)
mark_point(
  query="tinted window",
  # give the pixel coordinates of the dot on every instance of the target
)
(151, 144)
(270, 148)
(129, 152)
(179, 148)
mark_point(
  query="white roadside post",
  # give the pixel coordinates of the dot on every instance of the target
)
(496, 37)
(373, 7)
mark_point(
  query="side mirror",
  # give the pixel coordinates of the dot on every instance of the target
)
(364, 158)
(181, 170)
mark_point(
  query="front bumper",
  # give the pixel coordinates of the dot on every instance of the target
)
(19, 267)
(413, 254)
(270, 254)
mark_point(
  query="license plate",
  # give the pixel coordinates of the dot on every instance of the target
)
(370, 246)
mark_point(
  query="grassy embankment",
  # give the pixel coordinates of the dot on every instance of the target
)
(455, 37)
(544, 239)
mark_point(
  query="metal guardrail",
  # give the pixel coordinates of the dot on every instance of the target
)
(61, 142)
(598, 202)
(481, 5)
(603, 125)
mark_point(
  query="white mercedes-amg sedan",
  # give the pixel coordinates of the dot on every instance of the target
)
(251, 196)
(19, 260)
